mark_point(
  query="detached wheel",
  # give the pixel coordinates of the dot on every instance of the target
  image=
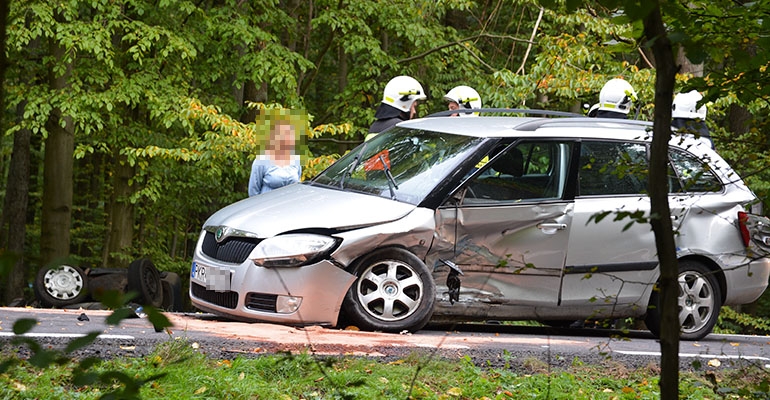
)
(394, 292)
(171, 285)
(699, 302)
(60, 285)
(144, 279)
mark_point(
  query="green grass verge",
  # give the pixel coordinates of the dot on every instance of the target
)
(176, 370)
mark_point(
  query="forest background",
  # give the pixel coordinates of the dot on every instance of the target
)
(127, 122)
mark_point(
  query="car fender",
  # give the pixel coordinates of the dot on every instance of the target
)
(413, 232)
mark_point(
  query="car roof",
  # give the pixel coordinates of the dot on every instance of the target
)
(564, 126)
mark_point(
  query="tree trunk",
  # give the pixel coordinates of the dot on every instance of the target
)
(342, 84)
(250, 93)
(57, 173)
(660, 213)
(121, 214)
(4, 10)
(13, 222)
(739, 119)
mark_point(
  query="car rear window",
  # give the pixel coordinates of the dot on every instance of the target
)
(692, 174)
(612, 168)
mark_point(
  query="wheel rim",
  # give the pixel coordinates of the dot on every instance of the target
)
(63, 282)
(696, 301)
(150, 282)
(390, 290)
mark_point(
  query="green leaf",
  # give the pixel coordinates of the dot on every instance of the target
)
(79, 343)
(23, 325)
(158, 319)
(678, 37)
(81, 378)
(552, 4)
(573, 5)
(599, 216)
(113, 299)
(119, 315)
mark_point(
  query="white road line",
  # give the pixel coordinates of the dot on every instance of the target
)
(67, 335)
(693, 355)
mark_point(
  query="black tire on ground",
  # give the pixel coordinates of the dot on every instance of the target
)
(172, 291)
(699, 302)
(144, 279)
(60, 285)
(394, 292)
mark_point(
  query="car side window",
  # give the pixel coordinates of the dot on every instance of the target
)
(525, 172)
(692, 174)
(612, 168)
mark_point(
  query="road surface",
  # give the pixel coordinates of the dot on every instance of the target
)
(486, 345)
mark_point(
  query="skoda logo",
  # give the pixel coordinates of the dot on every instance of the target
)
(220, 234)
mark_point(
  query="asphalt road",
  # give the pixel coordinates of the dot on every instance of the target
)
(486, 345)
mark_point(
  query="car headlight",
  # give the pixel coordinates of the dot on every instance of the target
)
(291, 250)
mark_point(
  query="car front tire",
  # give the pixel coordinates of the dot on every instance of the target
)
(394, 292)
(699, 302)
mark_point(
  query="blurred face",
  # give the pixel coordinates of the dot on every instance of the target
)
(283, 137)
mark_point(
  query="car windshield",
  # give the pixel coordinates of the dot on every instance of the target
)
(400, 164)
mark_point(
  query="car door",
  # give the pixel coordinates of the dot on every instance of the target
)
(611, 259)
(509, 226)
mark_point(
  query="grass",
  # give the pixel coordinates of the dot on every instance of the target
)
(177, 370)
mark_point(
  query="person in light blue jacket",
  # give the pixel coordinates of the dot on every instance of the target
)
(278, 166)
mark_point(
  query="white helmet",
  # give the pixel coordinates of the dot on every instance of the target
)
(592, 111)
(402, 91)
(466, 97)
(617, 95)
(684, 106)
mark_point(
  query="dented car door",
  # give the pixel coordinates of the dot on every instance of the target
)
(511, 228)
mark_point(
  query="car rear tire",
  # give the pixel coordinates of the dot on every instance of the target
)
(60, 285)
(144, 279)
(699, 302)
(394, 292)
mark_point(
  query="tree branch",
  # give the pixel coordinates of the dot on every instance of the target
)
(531, 38)
(458, 42)
(646, 60)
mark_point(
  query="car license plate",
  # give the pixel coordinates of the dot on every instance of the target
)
(212, 277)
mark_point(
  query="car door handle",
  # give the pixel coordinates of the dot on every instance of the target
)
(551, 226)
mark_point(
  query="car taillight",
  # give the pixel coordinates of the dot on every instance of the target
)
(742, 219)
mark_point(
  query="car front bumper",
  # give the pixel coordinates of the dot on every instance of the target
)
(307, 295)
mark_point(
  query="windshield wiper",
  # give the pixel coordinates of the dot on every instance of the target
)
(392, 185)
(349, 171)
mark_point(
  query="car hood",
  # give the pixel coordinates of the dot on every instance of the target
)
(302, 206)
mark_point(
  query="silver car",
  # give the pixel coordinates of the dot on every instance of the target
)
(448, 219)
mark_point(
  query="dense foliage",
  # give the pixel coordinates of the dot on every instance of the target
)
(165, 100)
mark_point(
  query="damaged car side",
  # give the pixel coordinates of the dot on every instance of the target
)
(448, 219)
